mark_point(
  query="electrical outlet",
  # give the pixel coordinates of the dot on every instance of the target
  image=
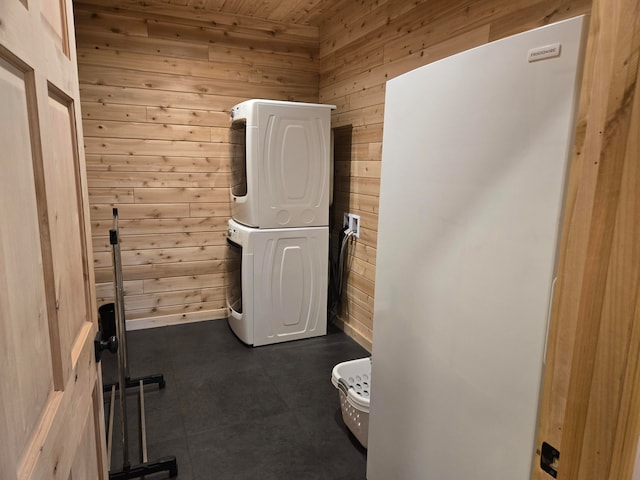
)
(353, 222)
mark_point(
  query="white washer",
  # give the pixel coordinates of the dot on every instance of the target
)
(281, 163)
(277, 283)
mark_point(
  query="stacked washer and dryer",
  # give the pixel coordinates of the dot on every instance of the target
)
(278, 238)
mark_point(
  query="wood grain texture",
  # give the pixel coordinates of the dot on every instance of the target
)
(274, 13)
(362, 45)
(157, 82)
(589, 403)
(48, 316)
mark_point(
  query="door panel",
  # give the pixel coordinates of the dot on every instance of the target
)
(24, 340)
(51, 420)
(53, 13)
(290, 289)
(60, 173)
(85, 461)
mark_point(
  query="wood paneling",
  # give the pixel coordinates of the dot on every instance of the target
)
(157, 82)
(589, 407)
(231, 12)
(362, 45)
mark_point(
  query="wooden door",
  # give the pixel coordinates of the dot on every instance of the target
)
(51, 417)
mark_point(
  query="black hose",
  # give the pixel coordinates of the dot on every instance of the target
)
(336, 268)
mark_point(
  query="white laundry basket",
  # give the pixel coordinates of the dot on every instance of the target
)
(353, 381)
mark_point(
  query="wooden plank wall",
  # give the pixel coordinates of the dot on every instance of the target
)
(590, 408)
(362, 46)
(157, 82)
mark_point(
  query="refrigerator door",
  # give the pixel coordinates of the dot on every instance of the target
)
(475, 156)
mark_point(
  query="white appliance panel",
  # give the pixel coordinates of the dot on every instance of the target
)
(284, 278)
(287, 149)
(475, 153)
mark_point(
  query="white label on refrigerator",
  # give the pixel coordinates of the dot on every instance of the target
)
(541, 53)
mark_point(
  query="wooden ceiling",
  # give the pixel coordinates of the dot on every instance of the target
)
(301, 12)
(296, 12)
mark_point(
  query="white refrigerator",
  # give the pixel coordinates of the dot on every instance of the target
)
(475, 156)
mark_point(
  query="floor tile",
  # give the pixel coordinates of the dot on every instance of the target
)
(232, 412)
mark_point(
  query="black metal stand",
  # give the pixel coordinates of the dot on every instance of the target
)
(163, 464)
(135, 382)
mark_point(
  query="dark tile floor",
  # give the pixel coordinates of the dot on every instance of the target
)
(232, 412)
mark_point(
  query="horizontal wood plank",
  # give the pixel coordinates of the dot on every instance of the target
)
(129, 129)
(106, 40)
(111, 195)
(136, 146)
(175, 315)
(164, 320)
(155, 163)
(166, 240)
(183, 283)
(159, 179)
(184, 116)
(130, 287)
(210, 210)
(122, 113)
(106, 94)
(130, 211)
(156, 256)
(162, 270)
(191, 195)
(290, 60)
(133, 302)
(208, 311)
(163, 225)
(246, 38)
(104, 22)
(273, 83)
(357, 185)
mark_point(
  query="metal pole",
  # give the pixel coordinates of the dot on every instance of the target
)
(112, 409)
(121, 333)
(117, 265)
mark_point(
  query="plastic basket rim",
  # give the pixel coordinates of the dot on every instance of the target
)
(356, 400)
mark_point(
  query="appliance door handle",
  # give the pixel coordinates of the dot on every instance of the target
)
(343, 386)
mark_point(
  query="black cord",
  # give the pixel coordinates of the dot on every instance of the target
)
(336, 270)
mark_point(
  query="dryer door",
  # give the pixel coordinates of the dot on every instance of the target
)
(237, 139)
(294, 168)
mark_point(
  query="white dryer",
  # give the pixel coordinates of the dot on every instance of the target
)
(281, 163)
(277, 283)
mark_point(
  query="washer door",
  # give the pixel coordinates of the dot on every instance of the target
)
(290, 289)
(239, 293)
(234, 277)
